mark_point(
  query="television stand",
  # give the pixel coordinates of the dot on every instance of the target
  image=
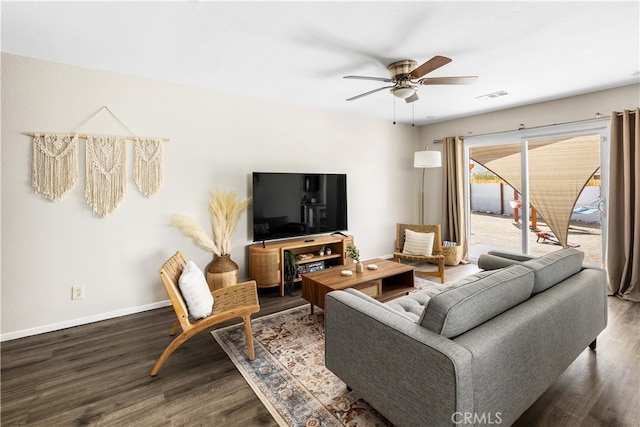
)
(266, 259)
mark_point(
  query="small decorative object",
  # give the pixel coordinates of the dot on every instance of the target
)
(354, 254)
(346, 273)
(321, 251)
(328, 251)
(372, 267)
(224, 211)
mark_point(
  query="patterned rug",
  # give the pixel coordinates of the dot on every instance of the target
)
(288, 373)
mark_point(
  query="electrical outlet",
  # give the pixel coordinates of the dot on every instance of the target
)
(77, 292)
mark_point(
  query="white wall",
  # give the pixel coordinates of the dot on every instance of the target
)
(217, 140)
(564, 110)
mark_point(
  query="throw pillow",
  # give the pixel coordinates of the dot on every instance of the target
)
(417, 243)
(195, 291)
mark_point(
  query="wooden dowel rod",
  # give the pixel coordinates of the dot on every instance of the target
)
(83, 136)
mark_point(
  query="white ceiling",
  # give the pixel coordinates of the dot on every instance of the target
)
(298, 52)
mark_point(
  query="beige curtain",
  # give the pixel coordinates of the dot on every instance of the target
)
(623, 239)
(453, 211)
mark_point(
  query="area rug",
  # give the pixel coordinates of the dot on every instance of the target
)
(288, 373)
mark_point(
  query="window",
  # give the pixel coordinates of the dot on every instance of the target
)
(554, 172)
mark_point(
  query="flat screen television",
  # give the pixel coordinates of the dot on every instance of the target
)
(298, 204)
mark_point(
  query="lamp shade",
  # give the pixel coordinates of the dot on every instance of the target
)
(427, 159)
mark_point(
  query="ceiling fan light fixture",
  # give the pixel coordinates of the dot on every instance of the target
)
(403, 91)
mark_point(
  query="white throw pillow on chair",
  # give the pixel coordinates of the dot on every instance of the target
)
(416, 243)
(195, 291)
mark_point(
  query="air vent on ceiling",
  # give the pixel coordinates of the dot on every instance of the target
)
(497, 94)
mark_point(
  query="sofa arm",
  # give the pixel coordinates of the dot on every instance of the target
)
(512, 255)
(409, 374)
(494, 260)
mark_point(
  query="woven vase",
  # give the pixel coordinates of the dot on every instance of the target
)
(221, 272)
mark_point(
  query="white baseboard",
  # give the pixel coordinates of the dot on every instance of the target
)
(81, 321)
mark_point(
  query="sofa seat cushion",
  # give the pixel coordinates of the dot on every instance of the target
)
(411, 305)
(554, 267)
(459, 309)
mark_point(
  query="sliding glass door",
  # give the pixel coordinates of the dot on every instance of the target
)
(534, 191)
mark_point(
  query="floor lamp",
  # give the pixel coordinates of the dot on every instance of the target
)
(425, 159)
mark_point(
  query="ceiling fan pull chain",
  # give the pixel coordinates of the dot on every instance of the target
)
(394, 110)
(413, 114)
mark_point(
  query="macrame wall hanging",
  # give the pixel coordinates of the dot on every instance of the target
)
(106, 181)
(55, 166)
(147, 165)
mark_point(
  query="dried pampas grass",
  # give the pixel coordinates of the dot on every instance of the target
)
(224, 212)
(194, 231)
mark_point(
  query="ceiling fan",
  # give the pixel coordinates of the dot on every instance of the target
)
(406, 78)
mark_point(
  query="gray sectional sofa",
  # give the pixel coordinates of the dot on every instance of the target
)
(479, 352)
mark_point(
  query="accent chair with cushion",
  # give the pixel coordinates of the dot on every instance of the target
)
(420, 243)
(199, 309)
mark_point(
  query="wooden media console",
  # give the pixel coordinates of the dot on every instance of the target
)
(266, 261)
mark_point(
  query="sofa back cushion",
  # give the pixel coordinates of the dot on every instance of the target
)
(554, 267)
(459, 309)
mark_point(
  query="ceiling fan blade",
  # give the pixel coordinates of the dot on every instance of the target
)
(379, 79)
(462, 80)
(411, 98)
(369, 93)
(432, 64)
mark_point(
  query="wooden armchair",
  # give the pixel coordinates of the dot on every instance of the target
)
(239, 300)
(436, 258)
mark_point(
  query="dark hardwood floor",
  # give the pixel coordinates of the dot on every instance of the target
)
(98, 374)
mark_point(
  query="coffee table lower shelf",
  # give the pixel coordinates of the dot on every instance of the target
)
(390, 280)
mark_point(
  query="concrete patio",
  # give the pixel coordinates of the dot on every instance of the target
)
(492, 231)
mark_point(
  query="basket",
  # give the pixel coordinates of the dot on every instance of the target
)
(452, 254)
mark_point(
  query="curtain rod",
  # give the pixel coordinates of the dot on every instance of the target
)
(522, 127)
(437, 141)
(85, 136)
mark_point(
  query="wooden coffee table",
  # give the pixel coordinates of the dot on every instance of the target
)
(390, 280)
